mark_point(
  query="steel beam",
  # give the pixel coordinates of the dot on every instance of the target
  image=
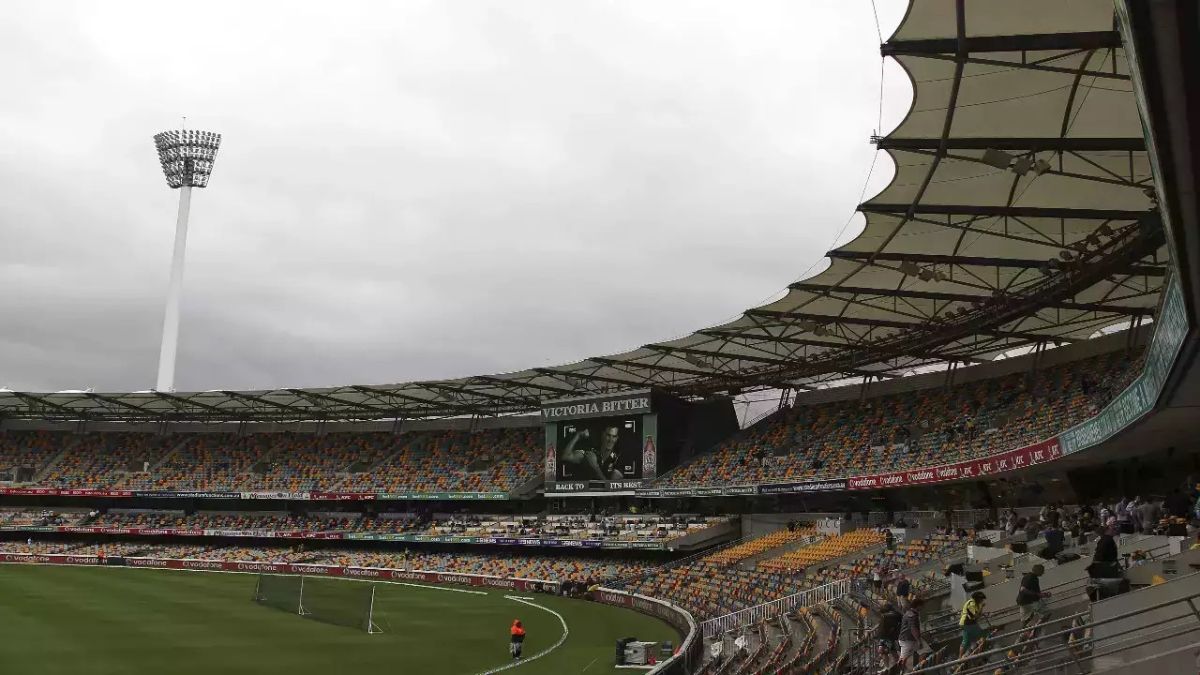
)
(1123, 310)
(1136, 269)
(1029, 144)
(1106, 39)
(1003, 211)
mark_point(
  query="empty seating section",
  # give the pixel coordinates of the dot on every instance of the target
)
(743, 550)
(279, 522)
(489, 461)
(715, 585)
(302, 463)
(423, 461)
(40, 517)
(913, 554)
(612, 528)
(206, 462)
(548, 568)
(920, 428)
(30, 450)
(824, 551)
(100, 461)
(521, 566)
(101, 548)
(709, 590)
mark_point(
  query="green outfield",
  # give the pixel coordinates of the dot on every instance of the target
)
(102, 621)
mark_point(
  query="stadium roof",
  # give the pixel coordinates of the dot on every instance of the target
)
(1022, 212)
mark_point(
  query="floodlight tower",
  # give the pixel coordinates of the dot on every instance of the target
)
(187, 158)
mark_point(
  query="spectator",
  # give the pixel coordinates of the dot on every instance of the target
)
(1054, 541)
(889, 631)
(972, 612)
(910, 633)
(903, 587)
(1106, 547)
(1030, 597)
(1177, 505)
(1148, 515)
(1124, 516)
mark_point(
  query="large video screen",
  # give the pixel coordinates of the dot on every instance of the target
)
(600, 449)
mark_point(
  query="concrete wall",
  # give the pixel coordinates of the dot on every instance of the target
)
(709, 536)
(759, 524)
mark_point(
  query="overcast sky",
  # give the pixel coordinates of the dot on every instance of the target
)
(413, 190)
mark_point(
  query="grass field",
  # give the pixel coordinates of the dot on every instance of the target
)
(110, 621)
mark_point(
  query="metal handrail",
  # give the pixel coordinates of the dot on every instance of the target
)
(774, 608)
(1022, 629)
(1023, 657)
(1040, 638)
(1009, 610)
(1190, 648)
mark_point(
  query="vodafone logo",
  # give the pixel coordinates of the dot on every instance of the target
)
(8, 557)
(454, 578)
(613, 598)
(257, 567)
(500, 583)
(364, 573)
(408, 576)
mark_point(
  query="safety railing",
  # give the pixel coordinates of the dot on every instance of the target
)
(770, 610)
(944, 624)
(1063, 649)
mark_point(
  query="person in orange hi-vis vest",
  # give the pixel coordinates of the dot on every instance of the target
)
(516, 638)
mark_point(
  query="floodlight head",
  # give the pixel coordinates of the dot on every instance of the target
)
(187, 156)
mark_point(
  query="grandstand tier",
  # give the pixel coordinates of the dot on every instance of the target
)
(935, 434)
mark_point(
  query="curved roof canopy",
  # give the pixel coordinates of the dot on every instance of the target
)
(1021, 213)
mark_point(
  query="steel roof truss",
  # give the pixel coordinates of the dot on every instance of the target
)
(1037, 42)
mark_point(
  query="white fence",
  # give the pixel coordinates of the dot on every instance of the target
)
(769, 610)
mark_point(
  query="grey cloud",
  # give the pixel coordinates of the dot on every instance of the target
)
(418, 191)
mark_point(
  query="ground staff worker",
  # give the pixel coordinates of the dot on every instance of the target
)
(516, 639)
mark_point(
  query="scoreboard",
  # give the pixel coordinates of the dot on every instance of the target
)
(618, 443)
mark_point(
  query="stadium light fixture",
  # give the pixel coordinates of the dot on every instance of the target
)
(186, 157)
